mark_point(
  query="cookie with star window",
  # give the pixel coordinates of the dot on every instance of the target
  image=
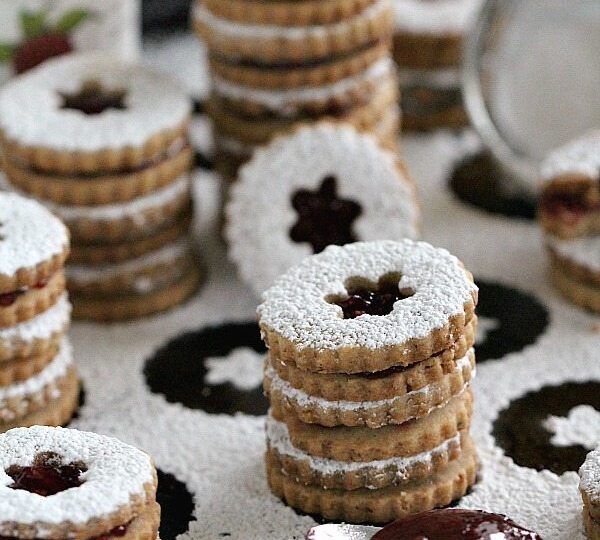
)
(325, 184)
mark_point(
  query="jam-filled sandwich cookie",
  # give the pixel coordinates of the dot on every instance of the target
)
(368, 306)
(446, 524)
(294, 40)
(589, 486)
(64, 483)
(92, 114)
(33, 248)
(312, 188)
(570, 200)
(355, 458)
(569, 214)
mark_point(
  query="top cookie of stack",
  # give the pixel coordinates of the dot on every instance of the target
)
(368, 374)
(569, 213)
(278, 63)
(103, 144)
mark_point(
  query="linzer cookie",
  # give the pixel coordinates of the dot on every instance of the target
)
(352, 309)
(311, 189)
(64, 483)
(90, 113)
(270, 43)
(589, 486)
(378, 505)
(570, 201)
(33, 246)
(569, 214)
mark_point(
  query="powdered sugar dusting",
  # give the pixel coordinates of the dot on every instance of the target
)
(42, 326)
(115, 473)
(278, 438)
(31, 106)
(286, 101)
(590, 476)
(108, 212)
(243, 368)
(51, 373)
(295, 307)
(584, 251)
(302, 160)
(439, 17)
(291, 33)
(29, 234)
(581, 156)
(304, 400)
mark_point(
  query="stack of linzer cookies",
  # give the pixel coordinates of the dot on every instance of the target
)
(569, 214)
(103, 144)
(368, 374)
(38, 380)
(275, 64)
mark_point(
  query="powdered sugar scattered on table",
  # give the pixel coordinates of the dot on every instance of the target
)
(242, 367)
(115, 472)
(29, 234)
(442, 17)
(580, 427)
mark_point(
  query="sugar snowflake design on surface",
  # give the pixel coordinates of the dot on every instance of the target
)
(217, 369)
(243, 368)
(580, 427)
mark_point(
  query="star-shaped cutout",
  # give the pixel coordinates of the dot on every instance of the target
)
(323, 217)
(93, 98)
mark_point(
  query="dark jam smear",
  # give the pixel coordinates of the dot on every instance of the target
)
(93, 99)
(9, 298)
(569, 207)
(455, 524)
(373, 300)
(324, 218)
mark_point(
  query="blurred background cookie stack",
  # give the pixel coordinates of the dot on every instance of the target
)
(38, 380)
(103, 144)
(569, 213)
(275, 64)
(369, 369)
(428, 40)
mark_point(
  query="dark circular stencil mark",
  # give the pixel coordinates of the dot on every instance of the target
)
(519, 429)
(518, 320)
(177, 506)
(178, 370)
(203, 162)
(476, 180)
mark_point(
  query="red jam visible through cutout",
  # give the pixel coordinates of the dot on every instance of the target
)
(9, 298)
(93, 98)
(46, 476)
(455, 524)
(324, 218)
(372, 300)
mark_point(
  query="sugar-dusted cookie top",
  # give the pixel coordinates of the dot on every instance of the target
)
(33, 243)
(368, 306)
(323, 184)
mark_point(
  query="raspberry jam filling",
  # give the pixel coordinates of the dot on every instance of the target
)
(93, 98)
(568, 207)
(9, 298)
(366, 299)
(454, 524)
(323, 217)
(46, 476)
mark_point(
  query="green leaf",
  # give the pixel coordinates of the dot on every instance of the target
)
(33, 23)
(7, 51)
(71, 19)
